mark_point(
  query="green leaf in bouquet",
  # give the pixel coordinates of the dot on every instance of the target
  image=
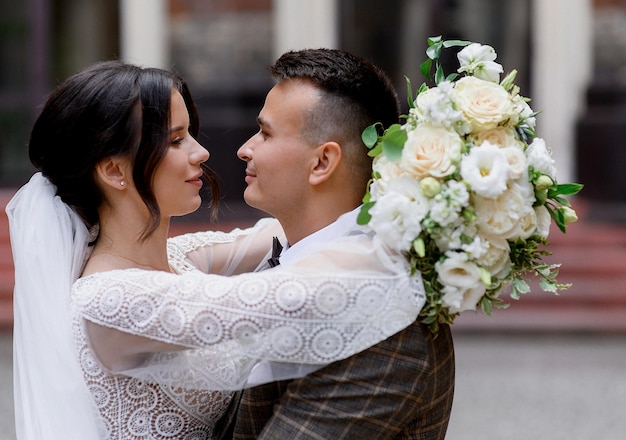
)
(409, 92)
(456, 43)
(393, 142)
(364, 214)
(376, 150)
(433, 40)
(452, 77)
(547, 285)
(370, 135)
(434, 50)
(509, 81)
(558, 217)
(566, 189)
(425, 67)
(485, 305)
(519, 286)
(439, 75)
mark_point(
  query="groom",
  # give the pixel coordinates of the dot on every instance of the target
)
(308, 167)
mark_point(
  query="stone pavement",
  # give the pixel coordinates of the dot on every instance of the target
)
(509, 386)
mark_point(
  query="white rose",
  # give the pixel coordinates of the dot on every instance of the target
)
(397, 215)
(543, 221)
(485, 104)
(486, 169)
(538, 156)
(458, 300)
(431, 151)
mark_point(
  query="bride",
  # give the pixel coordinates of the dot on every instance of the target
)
(121, 333)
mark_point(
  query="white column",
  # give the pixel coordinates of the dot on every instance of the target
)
(144, 32)
(301, 24)
(562, 67)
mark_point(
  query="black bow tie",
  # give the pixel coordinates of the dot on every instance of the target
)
(277, 248)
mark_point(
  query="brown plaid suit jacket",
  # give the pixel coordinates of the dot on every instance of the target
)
(402, 388)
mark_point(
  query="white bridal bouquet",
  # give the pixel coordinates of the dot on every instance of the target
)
(465, 188)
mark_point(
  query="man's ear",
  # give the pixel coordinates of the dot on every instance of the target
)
(113, 172)
(327, 159)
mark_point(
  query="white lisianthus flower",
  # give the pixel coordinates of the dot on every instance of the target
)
(458, 300)
(543, 221)
(431, 151)
(516, 159)
(538, 156)
(479, 60)
(456, 270)
(485, 104)
(486, 169)
(397, 215)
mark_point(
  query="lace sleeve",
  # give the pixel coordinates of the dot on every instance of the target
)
(325, 307)
(224, 253)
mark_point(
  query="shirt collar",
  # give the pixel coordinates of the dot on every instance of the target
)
(344, 225)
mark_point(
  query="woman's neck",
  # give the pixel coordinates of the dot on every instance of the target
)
(120, 246)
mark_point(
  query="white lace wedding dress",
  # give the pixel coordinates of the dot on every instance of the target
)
(318, 310)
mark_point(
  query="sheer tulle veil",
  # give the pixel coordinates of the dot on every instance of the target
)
(49, 245)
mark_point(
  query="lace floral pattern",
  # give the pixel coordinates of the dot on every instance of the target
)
(130, 408)
(317, 311)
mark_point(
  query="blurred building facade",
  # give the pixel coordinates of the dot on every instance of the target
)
(223, 47)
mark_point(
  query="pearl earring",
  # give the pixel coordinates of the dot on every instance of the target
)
(122, 183)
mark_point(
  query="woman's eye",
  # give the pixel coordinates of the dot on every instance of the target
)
(177, 140)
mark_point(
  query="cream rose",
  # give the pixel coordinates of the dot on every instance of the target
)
(498, 217)
(496, 257)
(485, 104)
(500, 136)
(388, 171)
(431, 151)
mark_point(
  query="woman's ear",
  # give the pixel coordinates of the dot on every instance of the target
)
(113, 172)
(327, 158)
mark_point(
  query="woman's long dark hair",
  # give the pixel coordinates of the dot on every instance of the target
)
(110, 109)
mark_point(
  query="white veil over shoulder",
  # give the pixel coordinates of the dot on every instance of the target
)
(49, 244)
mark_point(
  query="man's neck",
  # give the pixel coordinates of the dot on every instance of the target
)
(303, 223)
